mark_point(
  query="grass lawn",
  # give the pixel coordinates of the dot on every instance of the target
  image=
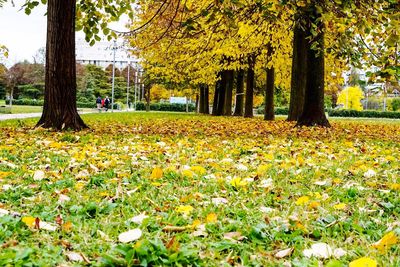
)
(164, 189)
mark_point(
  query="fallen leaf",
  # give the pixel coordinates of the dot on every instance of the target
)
(369, 174)
(284, 253)
(138, 218)
(386, 242)
(363, 262)
(211, 218)
(340, 206)
(339, 252)
(38, 175)
(185, 209)
(157, 173)
(234, 236)
(219, 200)
(130, 235)
(74, 256)
(318, 250)
(302, 200)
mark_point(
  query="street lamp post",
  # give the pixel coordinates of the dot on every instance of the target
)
(127, 88)
(113, 76)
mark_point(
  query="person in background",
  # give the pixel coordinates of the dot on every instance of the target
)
(98, 103)
(107, 103)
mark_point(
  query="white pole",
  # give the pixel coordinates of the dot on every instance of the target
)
(127, 88)
(136, 81)
(113, 77)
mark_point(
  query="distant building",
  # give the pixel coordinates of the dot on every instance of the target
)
(101, 54)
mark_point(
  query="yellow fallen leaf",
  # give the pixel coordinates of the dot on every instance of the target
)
(187, 173)
(340, 206)
(199, 170)
(363, 262)
(186, 209)
(79, 186)
(29, 221)
(238, 182)
(211, 218)
(156, 184)
(157, 173)
(386, 242)
(302, 200)
(314, 204)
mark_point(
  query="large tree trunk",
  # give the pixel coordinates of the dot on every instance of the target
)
(229, 76)
(217, 93)
(203, 101)
(222, 92)
(299, 71)
(269, 114)
(313, 109)
(239, 93)
(59, 110)
(248, 107)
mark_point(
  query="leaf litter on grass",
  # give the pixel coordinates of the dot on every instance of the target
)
(170, 190)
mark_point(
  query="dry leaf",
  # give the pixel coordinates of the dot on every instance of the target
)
(319, 250)
(138, 219)
(219, 200)
(130, 236)
(234, 236)
(284, 253)
(38, 175)
(74, 256)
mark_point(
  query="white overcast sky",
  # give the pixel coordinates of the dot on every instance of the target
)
(24, 35)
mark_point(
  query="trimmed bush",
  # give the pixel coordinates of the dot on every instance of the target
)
(277, 110)
(364, 114)
(33, 102)
(165, 107)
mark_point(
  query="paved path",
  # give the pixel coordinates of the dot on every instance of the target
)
(4, 117)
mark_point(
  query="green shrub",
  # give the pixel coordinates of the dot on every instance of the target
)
(395, 104)
(277, 110)
(34, 102)
(165, 107)
(364, 114)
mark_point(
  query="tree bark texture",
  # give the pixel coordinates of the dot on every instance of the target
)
(221, 95)
(217, 93)
(248, 107)
(59, 110)
(229, 78)
(239, 93)
(313, 109)
(269, 114)
(204, 99)
(299, 71)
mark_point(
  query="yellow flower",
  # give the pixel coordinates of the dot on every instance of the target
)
(314, 204)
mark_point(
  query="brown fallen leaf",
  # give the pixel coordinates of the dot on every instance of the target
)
(234, 236)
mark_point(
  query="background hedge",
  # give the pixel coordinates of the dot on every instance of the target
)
(364, 114)
(139, 105)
